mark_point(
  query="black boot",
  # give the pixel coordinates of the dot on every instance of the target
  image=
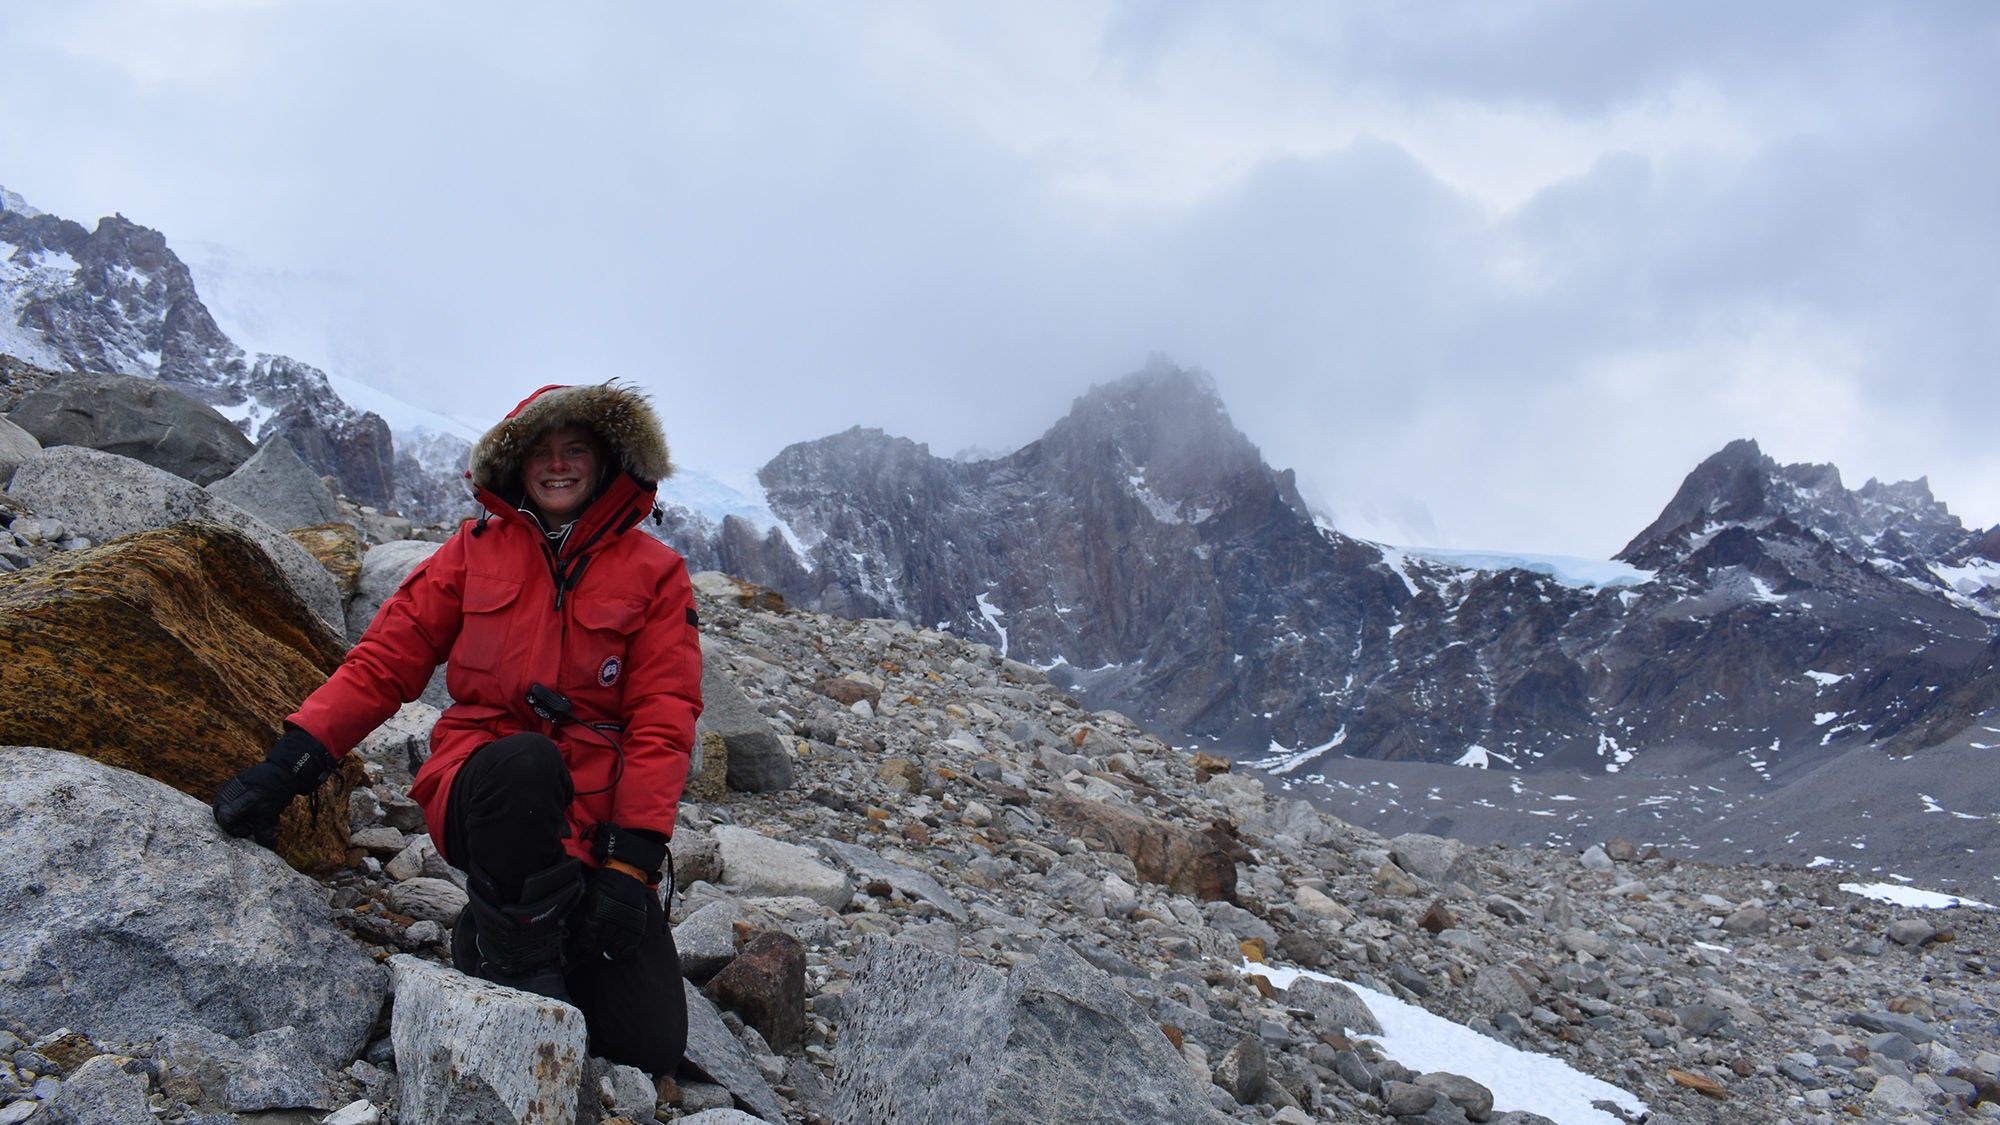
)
(519, 945)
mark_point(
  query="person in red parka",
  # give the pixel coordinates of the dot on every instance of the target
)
(573, 660)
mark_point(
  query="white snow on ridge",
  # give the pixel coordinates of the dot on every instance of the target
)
(403, 417)
(12, 201)
(1577, 573)
(1825, 679)
(23, 277)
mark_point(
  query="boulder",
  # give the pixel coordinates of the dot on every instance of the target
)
(172, 653)
(1179, 858)
(760, 866)
(1472, 1097)
(471, 1051)
(749, 595)
(16, 446)
(758, 759)
(1054, 1040)
(143, 419)
(278, 488)
(1335, 1007)
(133, 913)
(766, 985)
(383, 568)
(1432, 858)
(102, 496)
(105, 1090)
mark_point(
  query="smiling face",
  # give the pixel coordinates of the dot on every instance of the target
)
(560, 473)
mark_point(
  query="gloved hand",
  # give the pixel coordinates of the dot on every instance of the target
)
(250, 803)
(612, 919)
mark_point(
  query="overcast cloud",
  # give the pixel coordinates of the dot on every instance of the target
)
(1487, 274)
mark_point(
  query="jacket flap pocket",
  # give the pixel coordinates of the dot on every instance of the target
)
(487, 594)
(618, 615)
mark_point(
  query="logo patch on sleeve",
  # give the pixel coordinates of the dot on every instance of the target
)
(607, 672)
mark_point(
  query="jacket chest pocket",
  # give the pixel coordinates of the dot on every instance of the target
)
(601, 641)
(482, 644)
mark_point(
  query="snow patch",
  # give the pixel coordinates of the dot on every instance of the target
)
(993, 614)
(1520, 1080)
(1283, 759)
(1910, 896)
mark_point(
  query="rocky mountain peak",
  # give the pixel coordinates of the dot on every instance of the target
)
(1165, 427)
(117, 300)
(1740, 487)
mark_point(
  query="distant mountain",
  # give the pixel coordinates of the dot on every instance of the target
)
(1143, 552)
(116, 299)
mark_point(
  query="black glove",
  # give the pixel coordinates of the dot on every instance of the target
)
(250, 803)
(612, 919)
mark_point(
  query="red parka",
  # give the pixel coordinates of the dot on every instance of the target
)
(607, 620)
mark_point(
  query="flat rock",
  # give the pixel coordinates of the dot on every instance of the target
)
(715, 1050)
(1173, 855)
(758, 865)
(868, 866)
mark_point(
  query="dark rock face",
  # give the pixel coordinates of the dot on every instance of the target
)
(331, 436)
(1141, 542)
(1143, 551)
(117, 301)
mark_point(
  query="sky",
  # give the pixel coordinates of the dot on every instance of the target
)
(1490, 275)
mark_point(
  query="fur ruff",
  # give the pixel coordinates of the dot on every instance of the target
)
(616, 412)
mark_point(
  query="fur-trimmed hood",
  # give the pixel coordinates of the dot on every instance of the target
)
(616, 412)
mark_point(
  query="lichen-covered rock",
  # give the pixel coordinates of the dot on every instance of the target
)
(338, 548)
(174, 654)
